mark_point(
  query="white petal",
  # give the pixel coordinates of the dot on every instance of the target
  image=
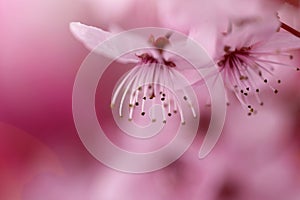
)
(91, 37)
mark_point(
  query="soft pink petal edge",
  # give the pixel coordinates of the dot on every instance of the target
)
(91, 37)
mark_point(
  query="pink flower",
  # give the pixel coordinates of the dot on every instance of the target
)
(152, 80)
(248, 53)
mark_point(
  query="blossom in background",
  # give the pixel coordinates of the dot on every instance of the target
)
(153, 80)
(249, 52)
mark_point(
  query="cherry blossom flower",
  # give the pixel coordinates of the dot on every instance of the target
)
(152, 80)
(249, 52)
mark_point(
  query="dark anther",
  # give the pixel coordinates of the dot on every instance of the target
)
(220, 63)
(279, 81)
(227, 49)
(152, 96)
(162, 99)
(144, 98)
(169, 63)
(257, 90)
(143, 113)
(136, 103)
(265, 80)
(185, 98)
(275, 91)
(169, 114)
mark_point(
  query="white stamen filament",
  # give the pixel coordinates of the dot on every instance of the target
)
(244, 67)
(152, 80)
(125, 92)
(172, 74)
(122, 84)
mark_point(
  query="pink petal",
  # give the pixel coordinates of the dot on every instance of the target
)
(91, 37)
(280, 41)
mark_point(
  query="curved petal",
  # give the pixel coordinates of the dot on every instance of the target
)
(91, 37)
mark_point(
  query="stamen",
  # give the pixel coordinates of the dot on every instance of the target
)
(163, 113)
(172, 76)
(133, 71)
(125, 93)
(152, 79)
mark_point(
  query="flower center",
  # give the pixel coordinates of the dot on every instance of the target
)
(154, 80)
(233, 56)
(159, 44)
(146, 58)
(245, 68)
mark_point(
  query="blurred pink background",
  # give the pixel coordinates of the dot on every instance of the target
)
(42, 157)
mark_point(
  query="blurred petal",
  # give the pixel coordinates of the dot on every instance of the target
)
(91, 37)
